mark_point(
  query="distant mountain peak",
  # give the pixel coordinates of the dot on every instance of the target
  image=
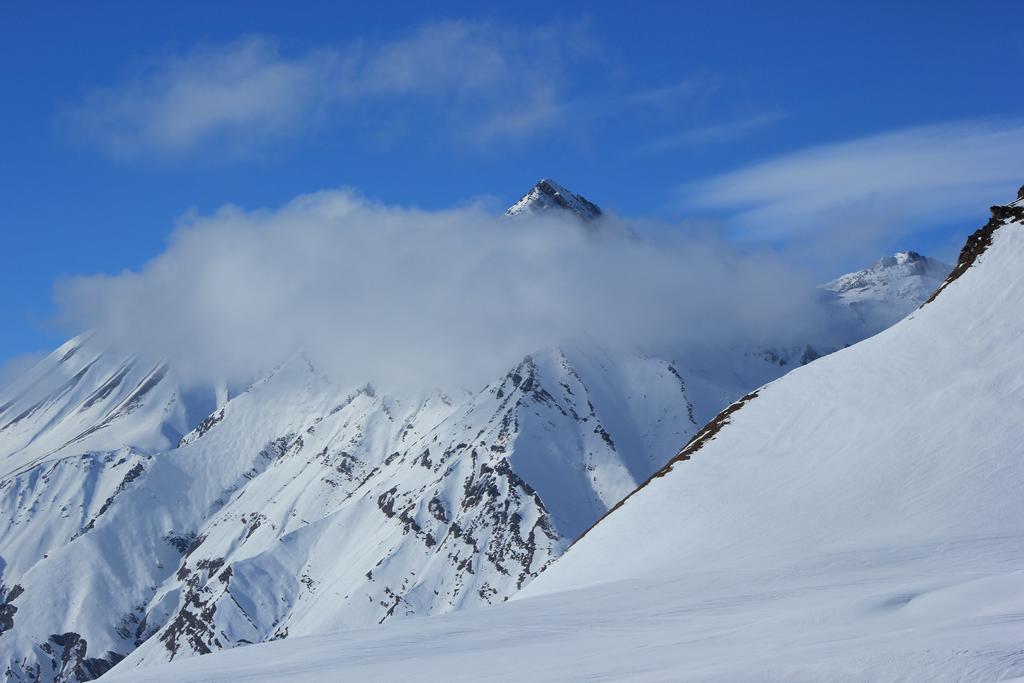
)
(902, 257)
(547, 195)
(888, 289)
(890, 270)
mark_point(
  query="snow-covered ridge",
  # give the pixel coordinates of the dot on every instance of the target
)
(858, 519)
(298, 506)
(210, 518)
(547, 195)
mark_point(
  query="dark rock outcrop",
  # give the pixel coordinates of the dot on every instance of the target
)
(981, 239)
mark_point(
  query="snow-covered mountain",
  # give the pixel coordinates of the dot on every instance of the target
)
(547, 195)
(858, 519)
(890, 288)
(863, 303)
(143, 520)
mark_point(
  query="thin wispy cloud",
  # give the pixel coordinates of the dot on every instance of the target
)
(701, 86)
(897, 182)
(475, 81)
(716, 133)
(653, 105)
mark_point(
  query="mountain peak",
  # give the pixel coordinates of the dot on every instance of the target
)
(889, 270)
(889, 288)
(547, 195)
(902, 257)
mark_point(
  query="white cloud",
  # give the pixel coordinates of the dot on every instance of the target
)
(472, 80)
(246, 90)
(895, 182)
(430, 298)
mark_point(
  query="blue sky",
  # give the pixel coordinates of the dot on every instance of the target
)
(828, 130)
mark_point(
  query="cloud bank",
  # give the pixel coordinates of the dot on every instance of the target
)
(476, 79)
(451, 298)
(895, 182)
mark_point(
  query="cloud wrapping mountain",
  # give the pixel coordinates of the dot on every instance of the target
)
(404, 296)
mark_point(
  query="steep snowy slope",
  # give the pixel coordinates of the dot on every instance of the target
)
(84, 398)
(141, 520)
(299, 506)
(858, 519)
(910, 438)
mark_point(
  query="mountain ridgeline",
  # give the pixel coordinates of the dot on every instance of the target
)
(143, 520)
(857, 519)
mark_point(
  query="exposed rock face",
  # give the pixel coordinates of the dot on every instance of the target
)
(981, 239)
(7, 607)
(548, 195)
(68, 661)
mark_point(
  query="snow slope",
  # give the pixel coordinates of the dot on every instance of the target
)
(858, 519)
(298, 506)
(907, 439)
(139, 519)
